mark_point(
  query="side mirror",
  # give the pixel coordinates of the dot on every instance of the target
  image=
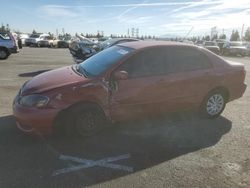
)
(121, 75)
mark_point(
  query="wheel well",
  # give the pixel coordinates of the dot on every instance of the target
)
(224, 91)
(60, 118)
(4, 48)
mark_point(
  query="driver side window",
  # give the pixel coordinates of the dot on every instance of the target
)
(149, 62)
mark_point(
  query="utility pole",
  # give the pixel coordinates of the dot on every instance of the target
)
(189, 32)
(242, 32)
(133, 32)
(137, 32)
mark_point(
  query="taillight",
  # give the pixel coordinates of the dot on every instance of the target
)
(244, 73)
(13, 40)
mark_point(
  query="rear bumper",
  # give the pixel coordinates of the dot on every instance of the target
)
(237, 91)
(13, 50)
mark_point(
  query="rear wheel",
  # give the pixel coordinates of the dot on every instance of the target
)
(214, 104)
(3, 53)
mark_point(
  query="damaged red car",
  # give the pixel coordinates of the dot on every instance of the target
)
(128, 81)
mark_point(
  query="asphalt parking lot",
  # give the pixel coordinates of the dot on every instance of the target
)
(180, 150)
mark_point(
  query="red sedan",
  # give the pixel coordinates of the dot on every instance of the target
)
(127, 81)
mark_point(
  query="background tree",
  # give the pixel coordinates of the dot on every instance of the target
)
(34, 31)
(207, 38)
(2, 29)
(247, 34)
(222, 36)
(5, 28)
(235, 36)
(98, 34)
(214, 37)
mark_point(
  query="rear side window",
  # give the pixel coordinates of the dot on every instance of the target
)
(149, 62)
(188, 59)
(5, 36)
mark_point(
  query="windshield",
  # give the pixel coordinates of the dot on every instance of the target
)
(210, 44)
(34, 36)
(236, 44)
(108, 43)
(100, 62)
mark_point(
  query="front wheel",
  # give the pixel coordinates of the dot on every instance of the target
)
(85, 120)
(213, 105)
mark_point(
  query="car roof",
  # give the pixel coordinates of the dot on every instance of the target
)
(148, 44)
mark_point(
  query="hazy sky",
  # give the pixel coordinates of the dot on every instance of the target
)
(154, 17)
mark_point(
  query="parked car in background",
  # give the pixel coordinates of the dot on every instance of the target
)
(128, 81)
(220, 43)
(102, 39)
(111, 42)
(82, 50)
(212, 46)
(199, 43)
(60, 42)
(187, 41)
(234, 48)
(23, 37)
(44, 41)
(248, 48)
(32, 37)
(8, 45)
(35, 38)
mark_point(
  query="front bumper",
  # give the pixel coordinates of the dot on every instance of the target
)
(238, 51)
(34, 120)
(43, 43)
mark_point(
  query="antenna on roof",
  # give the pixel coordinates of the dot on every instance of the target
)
(188, 32)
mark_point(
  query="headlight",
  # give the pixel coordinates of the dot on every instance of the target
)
(34, 100)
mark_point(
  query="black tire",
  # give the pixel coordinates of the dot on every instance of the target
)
(210, 109)
(84, 120)
(4, 54)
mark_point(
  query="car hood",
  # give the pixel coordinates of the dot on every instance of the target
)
(51, 80)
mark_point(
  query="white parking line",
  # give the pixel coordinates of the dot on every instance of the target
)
(86, 163)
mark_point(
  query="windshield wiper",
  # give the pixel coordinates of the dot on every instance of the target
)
(82, 71)
(78, 70)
